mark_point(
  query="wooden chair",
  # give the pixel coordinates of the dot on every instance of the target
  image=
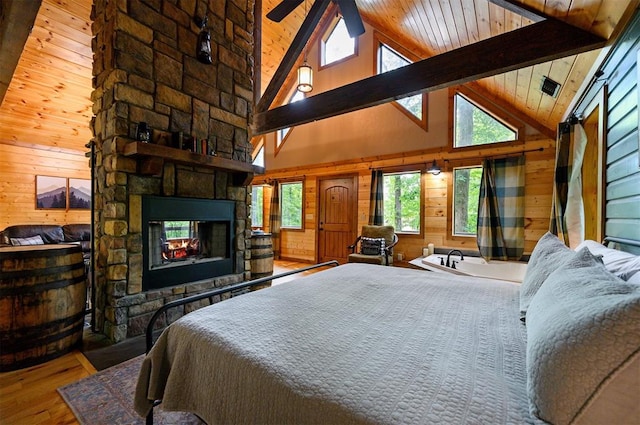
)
(368, 253)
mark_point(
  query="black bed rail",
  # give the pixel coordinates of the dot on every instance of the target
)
(220, 291)
(623, 241)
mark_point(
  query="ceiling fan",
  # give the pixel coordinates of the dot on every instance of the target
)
(348, 9)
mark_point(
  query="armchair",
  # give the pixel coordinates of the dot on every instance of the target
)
(377, 255)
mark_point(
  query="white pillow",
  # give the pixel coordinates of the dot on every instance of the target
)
(32, 240)
(622, 264)
(583, 326)
(548, 254)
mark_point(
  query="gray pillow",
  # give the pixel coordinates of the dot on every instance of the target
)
(583, 324)
(548, 254)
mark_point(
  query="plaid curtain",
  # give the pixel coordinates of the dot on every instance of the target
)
(567, 210)
(376, 205)
(275, 220)
(501, 209)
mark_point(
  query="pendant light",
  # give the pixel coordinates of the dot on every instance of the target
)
(305, 77)
(305, 73)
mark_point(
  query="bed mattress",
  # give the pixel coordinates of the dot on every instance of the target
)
(356, 344)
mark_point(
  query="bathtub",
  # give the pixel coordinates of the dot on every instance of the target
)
(512, 271)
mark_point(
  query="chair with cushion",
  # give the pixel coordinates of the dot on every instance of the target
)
(374, 245)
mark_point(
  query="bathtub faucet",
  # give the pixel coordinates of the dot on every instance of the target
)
(448, 264)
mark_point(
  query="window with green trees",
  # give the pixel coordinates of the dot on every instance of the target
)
(475, 126)
(291, 205)
(402, 194)
(257, 206)
(466, 190)
(388, 60)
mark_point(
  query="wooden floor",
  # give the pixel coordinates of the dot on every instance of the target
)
(29, 397)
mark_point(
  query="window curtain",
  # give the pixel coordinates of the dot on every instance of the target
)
(275, 220)
(567, 211)
(376, 198)
(501, 209)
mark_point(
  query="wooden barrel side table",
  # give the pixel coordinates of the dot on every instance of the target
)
(42, 303)
(261, 258)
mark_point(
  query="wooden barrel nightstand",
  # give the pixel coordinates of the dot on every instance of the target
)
(42, 303)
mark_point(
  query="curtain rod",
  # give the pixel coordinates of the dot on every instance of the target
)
(541, 149)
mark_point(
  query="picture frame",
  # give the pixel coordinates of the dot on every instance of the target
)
(79, 193)
(51, 192)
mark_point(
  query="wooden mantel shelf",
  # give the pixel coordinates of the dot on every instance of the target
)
(157, 154)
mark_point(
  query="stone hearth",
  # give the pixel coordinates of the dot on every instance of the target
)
(145, 70)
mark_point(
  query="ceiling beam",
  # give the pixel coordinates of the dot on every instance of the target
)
(521, 9)
(295, 49)
(16, 20)
(540, 42)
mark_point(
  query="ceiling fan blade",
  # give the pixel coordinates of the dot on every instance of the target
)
(283, 8)
(351, 16)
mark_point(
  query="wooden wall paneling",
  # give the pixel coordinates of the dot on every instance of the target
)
(19, 167)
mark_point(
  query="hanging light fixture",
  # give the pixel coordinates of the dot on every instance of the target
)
(305, 73)
(434, 169)
(305, 77)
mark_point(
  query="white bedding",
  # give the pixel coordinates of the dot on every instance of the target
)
(358, 344)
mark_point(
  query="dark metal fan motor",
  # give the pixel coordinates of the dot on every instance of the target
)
(348, 9)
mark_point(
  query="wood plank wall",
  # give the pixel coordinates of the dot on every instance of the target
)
(301, 245)
(19, 166)
(622, 169)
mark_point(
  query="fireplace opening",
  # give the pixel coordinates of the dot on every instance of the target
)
(178, 243)
(185, 240)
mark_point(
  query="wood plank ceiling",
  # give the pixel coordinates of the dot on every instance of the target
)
(48, 102)
(433, 27)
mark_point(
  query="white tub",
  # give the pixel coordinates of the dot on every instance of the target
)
(475, 266)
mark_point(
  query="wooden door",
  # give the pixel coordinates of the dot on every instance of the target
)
(337, 217)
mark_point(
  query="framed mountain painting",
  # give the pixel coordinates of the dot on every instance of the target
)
(79, 194)
(51, 192)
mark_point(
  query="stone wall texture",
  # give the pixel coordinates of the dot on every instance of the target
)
(145, 69)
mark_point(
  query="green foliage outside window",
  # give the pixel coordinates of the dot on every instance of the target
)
(291, 205)
(177, 229)
(465, 200)
(388, 60)
(402, 201)
(474, 126)
(257, 206)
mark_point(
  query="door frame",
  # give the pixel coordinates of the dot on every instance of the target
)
(353, 226)
(599, 104)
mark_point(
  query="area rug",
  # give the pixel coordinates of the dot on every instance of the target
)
(106, 398)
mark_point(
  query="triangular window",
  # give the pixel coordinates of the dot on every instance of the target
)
(336, 44)
(282, 134)
(391, 57)
(475, 126)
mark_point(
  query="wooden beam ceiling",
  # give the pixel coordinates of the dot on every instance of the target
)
(537, 43)
(297, 46)
(16, 20)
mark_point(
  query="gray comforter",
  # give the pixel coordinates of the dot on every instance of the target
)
(355, 344)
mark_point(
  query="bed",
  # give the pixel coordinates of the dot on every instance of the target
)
(367, 344)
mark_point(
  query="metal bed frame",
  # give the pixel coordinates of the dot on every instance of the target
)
(210, 294)
(623, 241)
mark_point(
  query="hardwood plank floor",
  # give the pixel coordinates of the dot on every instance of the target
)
(29, 397)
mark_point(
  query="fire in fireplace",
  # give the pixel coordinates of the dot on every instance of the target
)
(185, 240)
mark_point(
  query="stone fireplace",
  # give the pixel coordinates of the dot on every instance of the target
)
(146, 70)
